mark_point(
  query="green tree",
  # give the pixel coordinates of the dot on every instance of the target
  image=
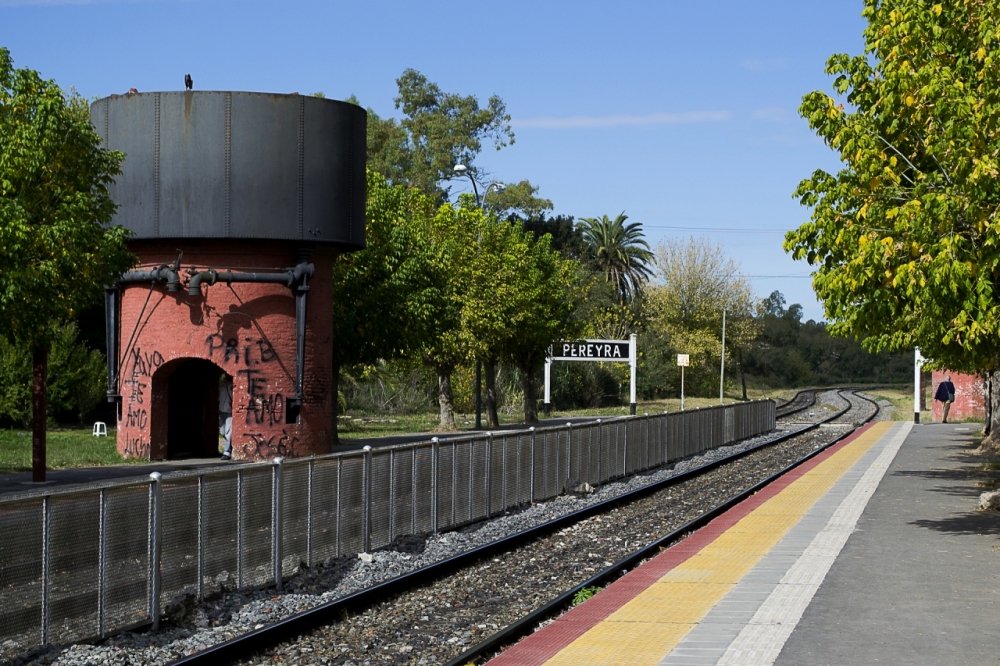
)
(517, 199)
(447, 345)
(523, 297)
(619, 252)
(384, 294)
(57, 248)
(696, 282)
(76, 379)
(904, 238)
(438, 131)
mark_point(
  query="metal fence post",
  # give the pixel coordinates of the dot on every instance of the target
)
(276, 522)
(646, 421)
(503, 475)
(489, 475)
(413, 490)
(569, 455)
(472, 460)
(368, 497)
(155, 508)
(102, 562)
(454, 483)
(434, 483)
(625, 426)
(531, 467)
(392, 494)
(239, 528)
(309, 515)
(46, 565)
(340, 504)
(600, 452)
(201, 537)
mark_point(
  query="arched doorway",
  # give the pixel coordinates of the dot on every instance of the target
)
(188, 389)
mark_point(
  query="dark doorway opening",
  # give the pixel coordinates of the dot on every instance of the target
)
(193, 410)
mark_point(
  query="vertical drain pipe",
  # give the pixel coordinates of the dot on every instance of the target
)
(300, 326)
(110, 337)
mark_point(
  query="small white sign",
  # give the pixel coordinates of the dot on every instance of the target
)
(683, 360)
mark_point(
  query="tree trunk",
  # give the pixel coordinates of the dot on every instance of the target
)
(988, 403)
(445, 401)
(992, 439)
(743, 377)
(39, 371)
(530, 394)
(490, 399)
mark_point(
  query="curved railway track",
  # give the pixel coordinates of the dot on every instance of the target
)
(528, 554)
(801, 401)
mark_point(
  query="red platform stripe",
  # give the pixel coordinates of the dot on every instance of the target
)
(544, 644)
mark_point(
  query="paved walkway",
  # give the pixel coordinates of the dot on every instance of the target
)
(870, 553)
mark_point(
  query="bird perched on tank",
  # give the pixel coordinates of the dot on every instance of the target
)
(188, 82)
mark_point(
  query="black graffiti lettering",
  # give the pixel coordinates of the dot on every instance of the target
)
(267, 353)
(212, 344)
(232, 349)
(266, 447)
(144, 364)
(136, 418)
(135, 390)
(134, 446)
(267, 409)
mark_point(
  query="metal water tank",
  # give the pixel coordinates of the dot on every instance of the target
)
(237, 165)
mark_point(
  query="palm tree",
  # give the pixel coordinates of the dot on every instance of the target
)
(620, 252)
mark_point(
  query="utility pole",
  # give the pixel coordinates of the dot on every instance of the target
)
(722, 369)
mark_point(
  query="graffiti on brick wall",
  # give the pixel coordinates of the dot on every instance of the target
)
(140, 368)
(264, 446)
(251, 351)
(263, 408)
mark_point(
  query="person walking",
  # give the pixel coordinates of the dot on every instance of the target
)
(226, 414)
(946, 394)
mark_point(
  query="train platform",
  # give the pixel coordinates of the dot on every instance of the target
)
(872, 552)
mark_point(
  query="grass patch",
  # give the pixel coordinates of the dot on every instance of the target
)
(584, 594)
(65, 447)
(362, 425)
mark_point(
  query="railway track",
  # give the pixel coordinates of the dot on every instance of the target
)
(437, 612)
(504, 588)
(800, 402)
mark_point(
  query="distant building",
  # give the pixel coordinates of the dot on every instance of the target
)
(970, 396)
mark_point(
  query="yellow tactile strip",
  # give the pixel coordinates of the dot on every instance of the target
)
(646, 628)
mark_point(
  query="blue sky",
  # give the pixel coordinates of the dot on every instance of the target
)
(682, 114)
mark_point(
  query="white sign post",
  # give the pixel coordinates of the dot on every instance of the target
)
(918, 363)
(683, 361)
(612, 351)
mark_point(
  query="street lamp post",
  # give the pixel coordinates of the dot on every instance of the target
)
(462, 170)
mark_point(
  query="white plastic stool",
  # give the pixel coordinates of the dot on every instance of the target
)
(100, 430)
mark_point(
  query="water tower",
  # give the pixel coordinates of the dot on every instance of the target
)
(238, 203)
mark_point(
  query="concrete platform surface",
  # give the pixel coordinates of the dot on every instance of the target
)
(919, 580)
(871, 553)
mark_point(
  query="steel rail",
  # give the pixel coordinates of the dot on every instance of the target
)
(525, 625)
(779, 414)
(331, 611)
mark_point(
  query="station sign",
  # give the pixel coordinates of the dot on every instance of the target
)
(591, 350)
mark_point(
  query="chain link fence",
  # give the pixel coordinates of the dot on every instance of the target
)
(80, 564)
